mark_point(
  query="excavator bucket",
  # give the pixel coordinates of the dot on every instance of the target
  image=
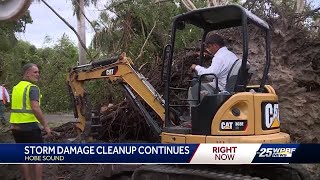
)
(13, 9)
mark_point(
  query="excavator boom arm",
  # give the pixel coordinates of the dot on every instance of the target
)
(118, 71)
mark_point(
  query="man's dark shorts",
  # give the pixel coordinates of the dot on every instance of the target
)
(27, 134)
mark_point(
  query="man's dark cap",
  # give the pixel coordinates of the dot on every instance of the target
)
(215, 39)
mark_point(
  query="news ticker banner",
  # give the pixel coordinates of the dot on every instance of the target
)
(159, 153)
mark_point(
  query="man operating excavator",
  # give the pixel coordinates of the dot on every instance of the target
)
(221, 64)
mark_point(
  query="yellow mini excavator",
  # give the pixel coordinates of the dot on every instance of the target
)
(243, 114)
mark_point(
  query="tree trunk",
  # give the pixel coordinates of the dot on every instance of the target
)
(300, 6)
(82, 33)
(212, 3)
(188, 5)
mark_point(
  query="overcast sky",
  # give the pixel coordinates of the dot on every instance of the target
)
(46, 23)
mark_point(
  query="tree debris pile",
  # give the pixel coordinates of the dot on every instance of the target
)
(61, 133)
(123, 123)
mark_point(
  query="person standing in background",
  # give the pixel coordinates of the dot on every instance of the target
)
(4, 99)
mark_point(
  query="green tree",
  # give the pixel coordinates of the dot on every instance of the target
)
(8, 40)
(53, 64)
(7, 30)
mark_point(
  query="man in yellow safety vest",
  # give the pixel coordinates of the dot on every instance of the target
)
(26, 114)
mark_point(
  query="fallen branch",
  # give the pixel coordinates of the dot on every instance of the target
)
(188, 4)
(145, 42)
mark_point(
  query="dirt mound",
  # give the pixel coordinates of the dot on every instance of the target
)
(295, 75)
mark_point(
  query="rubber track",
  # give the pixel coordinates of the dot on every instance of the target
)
(197, 173)
(301, 171)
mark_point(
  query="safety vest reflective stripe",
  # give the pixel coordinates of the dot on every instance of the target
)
(21, 111)
(24, 103)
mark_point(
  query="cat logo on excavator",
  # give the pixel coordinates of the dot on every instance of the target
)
(109, 72)
(271, 116)
(226, 125)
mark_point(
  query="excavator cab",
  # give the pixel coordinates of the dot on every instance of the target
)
(242, 114)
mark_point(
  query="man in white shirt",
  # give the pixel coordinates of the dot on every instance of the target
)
(220, 66)
(4, 98)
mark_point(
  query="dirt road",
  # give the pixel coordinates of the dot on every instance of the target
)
(54, 118)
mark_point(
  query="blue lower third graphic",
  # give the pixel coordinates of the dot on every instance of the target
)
(96, 153)
(154, 153)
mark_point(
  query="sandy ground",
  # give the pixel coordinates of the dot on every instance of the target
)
(55, 118)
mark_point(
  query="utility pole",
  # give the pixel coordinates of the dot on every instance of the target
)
(82, 32)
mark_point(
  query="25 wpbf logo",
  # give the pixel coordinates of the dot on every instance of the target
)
(275, 152)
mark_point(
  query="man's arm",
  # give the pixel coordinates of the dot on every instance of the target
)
(214, 68)
(39, 115)
(35, 106)
(7, 95)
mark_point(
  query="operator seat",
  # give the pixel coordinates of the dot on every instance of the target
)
(233, 75)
